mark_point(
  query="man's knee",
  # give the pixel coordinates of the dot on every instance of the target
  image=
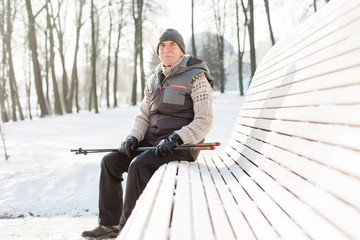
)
(106, 161)
(115, 161)
(137, 165)
(146, 162)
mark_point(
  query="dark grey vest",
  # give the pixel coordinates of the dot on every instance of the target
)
(171, 106)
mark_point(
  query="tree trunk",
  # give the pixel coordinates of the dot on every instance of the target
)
(4, 144)
(108, 60)
(28, 88)
(4, 114)
(116, 65)
(137, 10)
(141, 54)
(269, 22)
(219, 18)
(47, 67)
(221, 59)
(12, 80)
(252, 39)
(74, 75)
(60, 34)
(7, 40)
(192, 29)
(93, 60)
(240, 78)
(134, 87)
(120, 26)
(65, 79)
(3, 96)
(57, 101)
(36, 65)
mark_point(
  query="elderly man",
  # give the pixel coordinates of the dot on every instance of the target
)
(176, 109)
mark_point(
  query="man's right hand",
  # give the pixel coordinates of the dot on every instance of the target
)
(128, 146)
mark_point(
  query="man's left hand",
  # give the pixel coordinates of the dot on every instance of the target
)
(166, 145)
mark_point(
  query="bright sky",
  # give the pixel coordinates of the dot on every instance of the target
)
(179, 17)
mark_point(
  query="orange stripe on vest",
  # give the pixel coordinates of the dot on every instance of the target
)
(178, 86)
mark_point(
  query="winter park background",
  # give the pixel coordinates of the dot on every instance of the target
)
(55, 189)
(47, 192)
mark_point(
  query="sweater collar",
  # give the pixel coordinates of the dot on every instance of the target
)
(167, 71)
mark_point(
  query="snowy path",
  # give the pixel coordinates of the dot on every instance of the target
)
(32, 228)
(43, 179)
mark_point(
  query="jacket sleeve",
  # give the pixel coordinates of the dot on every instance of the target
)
(141, 122)
(201, 94)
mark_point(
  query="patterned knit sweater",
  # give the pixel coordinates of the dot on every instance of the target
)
(201, 94)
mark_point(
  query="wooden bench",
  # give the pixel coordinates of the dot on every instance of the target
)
(291, 169)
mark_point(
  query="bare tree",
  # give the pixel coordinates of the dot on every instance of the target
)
(93, 61)
(60, 30)
(141, 55)
(252, 38)
(3, 140)
(74, 85)
(28, 84)
(138, 16)
(269, 21)
(12, 80)
(57, 102)
(121, 23)
(219, 17)
(240, 52)
(47, 64)
(192, 29)
(108, 58)
(36, 65)
(3, 95)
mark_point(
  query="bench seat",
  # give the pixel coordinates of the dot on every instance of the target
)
(291, 167)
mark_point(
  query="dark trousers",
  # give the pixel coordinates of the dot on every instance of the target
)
(140, 168)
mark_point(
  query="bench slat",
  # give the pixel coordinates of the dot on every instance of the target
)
(302, 84)
(203, 228)
(308, 28)
(239, 224)
(305, 81)
(279, 219)
(313, 65)
(310, 39)
(259, 225)
(314, 195)
(344, 95)
(143, 207)
(159, 221)
(319, 174)
(335, 114)
(308, 218)
(339, 135)
(182, 221)
(219, 218)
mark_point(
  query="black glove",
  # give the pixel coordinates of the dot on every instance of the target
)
(128, 146)
(165, 146)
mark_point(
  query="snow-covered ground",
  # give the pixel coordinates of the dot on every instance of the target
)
(47, 192)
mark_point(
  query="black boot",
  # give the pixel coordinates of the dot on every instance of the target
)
(101, 232)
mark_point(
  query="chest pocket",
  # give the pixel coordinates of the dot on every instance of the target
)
(175, 94)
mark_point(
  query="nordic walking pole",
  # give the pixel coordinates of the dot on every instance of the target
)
(193, 147)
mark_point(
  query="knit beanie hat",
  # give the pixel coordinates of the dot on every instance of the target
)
(171, 35)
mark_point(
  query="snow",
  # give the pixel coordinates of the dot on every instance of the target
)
(47, 192)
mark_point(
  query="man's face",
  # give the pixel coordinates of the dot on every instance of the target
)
(169, 53)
